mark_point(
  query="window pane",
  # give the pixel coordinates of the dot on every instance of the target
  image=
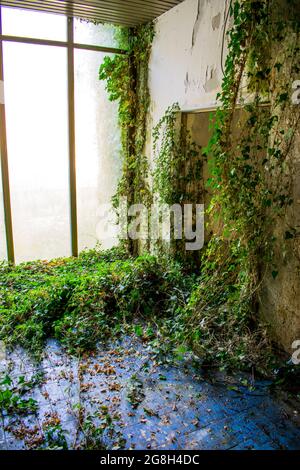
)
(37, 134)
(97, 149)
(3, 253)
(95, 34)
(34, 24)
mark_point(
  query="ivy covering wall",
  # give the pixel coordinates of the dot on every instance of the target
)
(250, 177)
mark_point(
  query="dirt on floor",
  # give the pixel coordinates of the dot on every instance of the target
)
(123, 397)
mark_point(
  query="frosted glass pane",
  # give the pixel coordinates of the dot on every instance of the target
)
(3, 253)
(94, 34)
(98, 149)
(34, 24)
(37, 134)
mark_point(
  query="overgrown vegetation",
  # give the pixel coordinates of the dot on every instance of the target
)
(250, 164)
(53, 437)
(89, 299)
(177, 174)
(85, 300)
(12, 395)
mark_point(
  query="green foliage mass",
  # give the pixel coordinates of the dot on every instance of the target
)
(177, 160)
(85, 300)
(250, 181)
(251, 186)
(11, 395)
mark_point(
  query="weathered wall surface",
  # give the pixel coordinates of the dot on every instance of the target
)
(280, 297)
(185, 64)
(185, 67)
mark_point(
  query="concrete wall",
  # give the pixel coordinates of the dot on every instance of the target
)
(280, 297)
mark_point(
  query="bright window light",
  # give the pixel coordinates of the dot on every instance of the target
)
(3, 253)
(37, 138)
(36, 100)
(94, 34)
(33, 24)
(98, 149)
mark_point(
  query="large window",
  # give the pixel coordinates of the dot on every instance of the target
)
(37, 143)
(94, 34)
(40, 138)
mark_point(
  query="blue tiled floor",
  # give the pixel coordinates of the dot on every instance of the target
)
(178, 407)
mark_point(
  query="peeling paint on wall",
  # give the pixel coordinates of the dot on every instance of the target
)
(215, 22)
(197, 23)
(212, 82)
(186, 82)
(179, 72)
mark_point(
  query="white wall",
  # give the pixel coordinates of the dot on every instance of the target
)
(185, 64)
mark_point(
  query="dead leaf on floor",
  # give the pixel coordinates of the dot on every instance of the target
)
(115, 400)
(86, 387)
(151, 412)
(165, 420)
(114, 387)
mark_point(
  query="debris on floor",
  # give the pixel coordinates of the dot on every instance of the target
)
(121, 397)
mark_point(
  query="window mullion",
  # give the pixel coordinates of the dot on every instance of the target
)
(4, 163)
(72, 154)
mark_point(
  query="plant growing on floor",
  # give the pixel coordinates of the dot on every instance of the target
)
(135, 392)
(85, 300)
(53, 433)
(11, 396)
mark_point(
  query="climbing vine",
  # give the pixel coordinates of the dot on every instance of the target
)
(250, 156)
(178, 166)
(177, 161)
(126, 79)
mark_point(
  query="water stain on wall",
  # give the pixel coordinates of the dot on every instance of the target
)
(215, 22)
(197, 23)
(211, 79)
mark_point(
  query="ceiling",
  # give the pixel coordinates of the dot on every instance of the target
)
(121, 12)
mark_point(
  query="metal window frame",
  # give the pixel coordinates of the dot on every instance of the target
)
(71, 47)
(4, 166)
